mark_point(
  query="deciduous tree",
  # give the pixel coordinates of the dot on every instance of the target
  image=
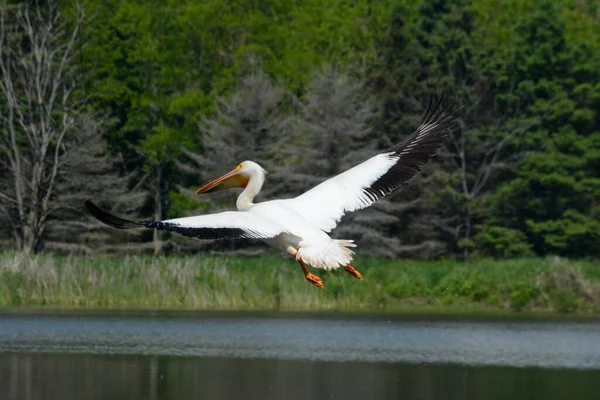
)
(45, 122)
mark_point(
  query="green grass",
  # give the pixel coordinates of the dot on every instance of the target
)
(269, 282)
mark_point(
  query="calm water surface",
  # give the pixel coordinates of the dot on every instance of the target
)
(283, 356)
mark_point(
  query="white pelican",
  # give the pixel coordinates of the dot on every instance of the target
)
(299, 226)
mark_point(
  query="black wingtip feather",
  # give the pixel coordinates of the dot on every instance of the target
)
(110, 219)
(419, 148)
(445, 116)
(190, 231)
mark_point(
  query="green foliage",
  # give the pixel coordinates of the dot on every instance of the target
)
(181, 204)
(500, 242)
(463, 283)
(572, 234)
(552, 196)
(523, 294)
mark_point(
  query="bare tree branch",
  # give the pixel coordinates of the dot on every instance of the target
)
(45, 119)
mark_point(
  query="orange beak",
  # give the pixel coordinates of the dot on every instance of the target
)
(229, 180)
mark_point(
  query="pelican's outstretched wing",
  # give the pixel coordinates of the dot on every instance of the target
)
(225, 225)
(361, 186)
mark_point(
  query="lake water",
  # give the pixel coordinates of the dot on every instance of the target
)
(138, 356)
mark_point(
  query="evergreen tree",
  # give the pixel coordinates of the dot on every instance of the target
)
(331, 134)
(244, 127)
(553, 198)
(89, 172)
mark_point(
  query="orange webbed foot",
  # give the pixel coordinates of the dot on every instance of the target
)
(350, 269)
(315, 280)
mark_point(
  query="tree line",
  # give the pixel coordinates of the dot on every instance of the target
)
(136, 103)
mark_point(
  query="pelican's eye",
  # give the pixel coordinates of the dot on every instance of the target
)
(239, 167)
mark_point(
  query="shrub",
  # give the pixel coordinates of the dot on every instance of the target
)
(499, 242)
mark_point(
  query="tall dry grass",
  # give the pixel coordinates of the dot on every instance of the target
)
(270, 282)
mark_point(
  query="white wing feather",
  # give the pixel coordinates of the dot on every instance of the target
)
(361, 186)
(326, 203)
(229, 224)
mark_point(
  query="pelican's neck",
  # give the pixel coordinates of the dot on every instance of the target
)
(246, 198)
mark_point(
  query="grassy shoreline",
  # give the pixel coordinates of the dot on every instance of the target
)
(521, 286)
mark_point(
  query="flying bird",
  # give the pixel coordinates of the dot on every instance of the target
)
(299, 226)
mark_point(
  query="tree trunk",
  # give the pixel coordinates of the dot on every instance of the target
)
(28, 241)
(156, 235)
(467, 231)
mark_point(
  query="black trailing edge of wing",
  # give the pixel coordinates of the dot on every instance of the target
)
(198, 232)
(201, 233)
(414, 152)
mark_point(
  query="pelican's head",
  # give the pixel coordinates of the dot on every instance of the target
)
(239, 177)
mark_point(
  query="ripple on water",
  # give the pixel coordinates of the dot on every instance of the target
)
(553, 344)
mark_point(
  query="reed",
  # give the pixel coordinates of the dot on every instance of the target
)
(270, 282)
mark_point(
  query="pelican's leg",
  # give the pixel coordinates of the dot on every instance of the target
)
(315, 280)
(350, 269)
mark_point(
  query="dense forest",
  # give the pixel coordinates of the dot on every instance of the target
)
(136, 104)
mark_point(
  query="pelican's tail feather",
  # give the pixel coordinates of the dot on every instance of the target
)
(330, 255)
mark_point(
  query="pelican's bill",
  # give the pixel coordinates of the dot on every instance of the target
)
(230, 180)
